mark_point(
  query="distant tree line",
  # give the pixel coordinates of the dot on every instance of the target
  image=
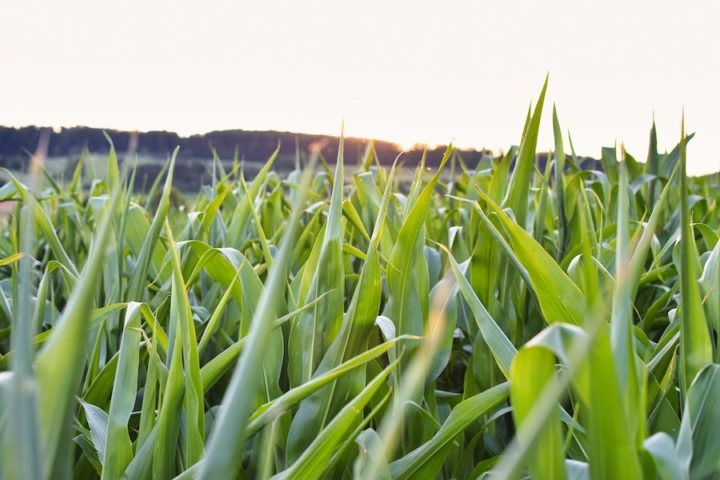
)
(254, 146)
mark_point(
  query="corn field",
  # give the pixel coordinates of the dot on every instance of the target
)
(509, 320)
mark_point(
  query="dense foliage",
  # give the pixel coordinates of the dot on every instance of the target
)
(501, 320)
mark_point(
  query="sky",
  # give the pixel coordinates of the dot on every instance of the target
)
(406, 71)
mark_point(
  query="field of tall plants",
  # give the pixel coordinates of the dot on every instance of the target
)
(514, 319)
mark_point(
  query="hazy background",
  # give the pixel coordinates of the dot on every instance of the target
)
(405, 71)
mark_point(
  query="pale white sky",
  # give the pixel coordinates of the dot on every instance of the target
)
(405, 71)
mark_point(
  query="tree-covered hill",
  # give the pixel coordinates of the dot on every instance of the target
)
(252, 146)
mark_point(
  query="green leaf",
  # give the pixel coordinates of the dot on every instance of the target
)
(559, 298)
(531, 371)
(118, 450)
(421, 462)
(315, 459)
(695, 345)
(517, 195)
(703, 416)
